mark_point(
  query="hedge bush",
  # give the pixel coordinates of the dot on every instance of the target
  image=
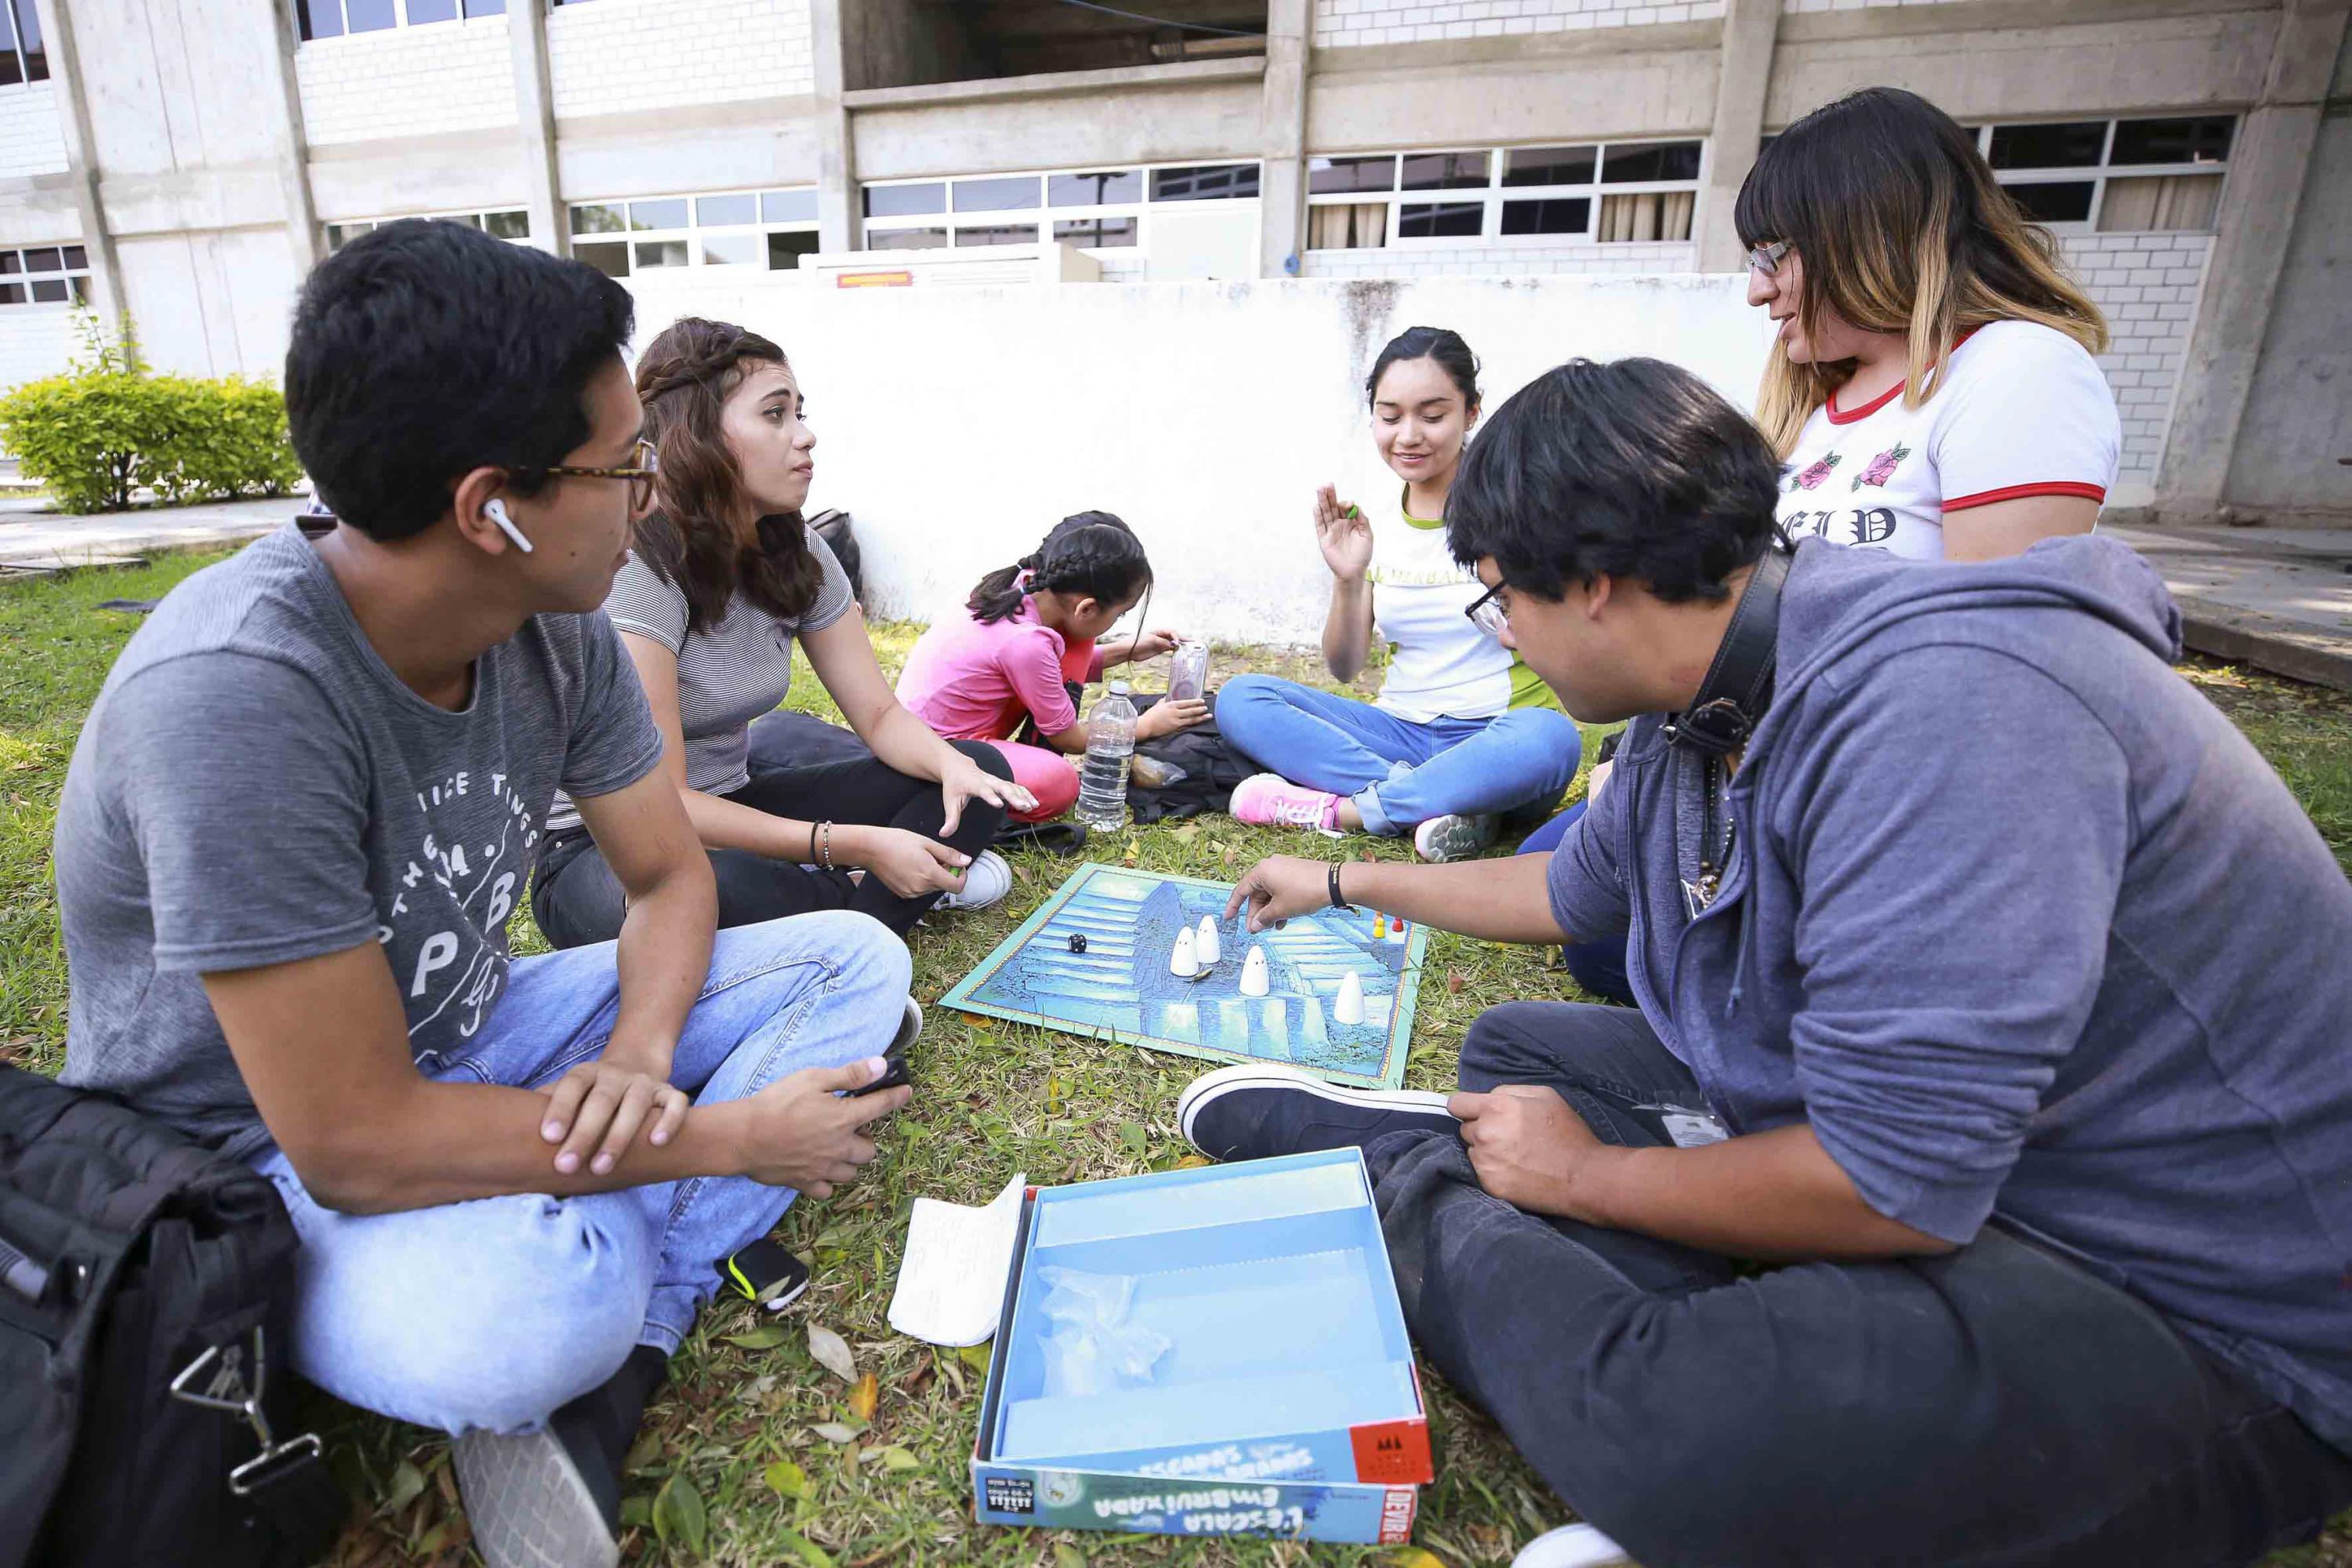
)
(108, 427)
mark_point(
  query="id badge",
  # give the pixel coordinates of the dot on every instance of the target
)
(1691, 1129)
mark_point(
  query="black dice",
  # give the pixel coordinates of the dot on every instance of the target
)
(1077, 942)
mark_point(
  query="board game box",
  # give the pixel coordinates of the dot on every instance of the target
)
(1217, 1351)
(1331, 992)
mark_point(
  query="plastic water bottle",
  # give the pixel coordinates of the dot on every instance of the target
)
(1110, 747)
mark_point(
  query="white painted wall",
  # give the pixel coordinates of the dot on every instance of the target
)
(1502, 258)
(958, 425)
(407, 81)
(620, 56)
(1339, 24)
(2148, 285)
(32, 142)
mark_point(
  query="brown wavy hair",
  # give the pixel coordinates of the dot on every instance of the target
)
(689, 538)
(1903, 228)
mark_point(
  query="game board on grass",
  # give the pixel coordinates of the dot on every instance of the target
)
(1114, 982)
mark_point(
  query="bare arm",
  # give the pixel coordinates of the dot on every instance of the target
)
(1775, 1194)
(843, 656)
(1345, 536)
(2010, 527)
(1504, 899)
(664, 950)
(322, 1044)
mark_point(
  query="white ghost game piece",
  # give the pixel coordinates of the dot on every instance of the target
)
(1205, 941)
(1184, 962)
(1253, 975)
(1347, 1008)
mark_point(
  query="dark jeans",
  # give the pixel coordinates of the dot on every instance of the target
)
(2001, 1404)
(1598, 965)
(577, 899)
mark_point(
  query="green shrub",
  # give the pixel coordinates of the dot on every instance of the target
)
(228, 439)
(106, 428)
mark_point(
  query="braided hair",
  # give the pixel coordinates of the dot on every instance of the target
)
(688, 538)
(1089, 552)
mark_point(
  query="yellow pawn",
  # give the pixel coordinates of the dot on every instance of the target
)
(1379, 927)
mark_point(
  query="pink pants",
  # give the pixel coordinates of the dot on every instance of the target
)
(1049, 775)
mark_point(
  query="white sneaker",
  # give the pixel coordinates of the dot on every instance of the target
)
(1453, 837)
(1572, 1546)
(985, 881)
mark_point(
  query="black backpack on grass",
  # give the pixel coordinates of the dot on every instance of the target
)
(145, 1288)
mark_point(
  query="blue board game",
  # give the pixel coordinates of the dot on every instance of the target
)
(1113, 981)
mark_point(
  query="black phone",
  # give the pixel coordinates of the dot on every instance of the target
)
(893, 1076)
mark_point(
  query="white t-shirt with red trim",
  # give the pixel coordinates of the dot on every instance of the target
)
(2023, 411)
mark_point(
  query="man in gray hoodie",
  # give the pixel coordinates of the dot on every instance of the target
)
(1989, 981)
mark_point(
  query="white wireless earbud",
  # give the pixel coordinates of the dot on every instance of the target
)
(496, 511)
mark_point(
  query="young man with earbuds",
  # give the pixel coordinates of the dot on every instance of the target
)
(301, 815)
(1988, 979)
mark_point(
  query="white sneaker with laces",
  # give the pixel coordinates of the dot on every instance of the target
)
(985, 881)
(1572, 1546)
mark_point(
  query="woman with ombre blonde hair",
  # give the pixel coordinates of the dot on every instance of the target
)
(1931, 385)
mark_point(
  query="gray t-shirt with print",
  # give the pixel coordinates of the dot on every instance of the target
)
(727, 674)
(255, 787)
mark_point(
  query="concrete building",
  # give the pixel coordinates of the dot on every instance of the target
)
(187, 161)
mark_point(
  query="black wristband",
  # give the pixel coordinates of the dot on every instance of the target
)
(1337, 902)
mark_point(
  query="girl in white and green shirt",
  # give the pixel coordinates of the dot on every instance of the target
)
(1462, 732)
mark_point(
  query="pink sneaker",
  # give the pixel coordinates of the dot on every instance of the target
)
(1269, 800)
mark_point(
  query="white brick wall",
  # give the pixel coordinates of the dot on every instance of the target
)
(1339, 24)
(407, 81)
(35, 340)
(32, 142)
(616, 56)
(2148, 284)
(1505, 260)
(1853, 5)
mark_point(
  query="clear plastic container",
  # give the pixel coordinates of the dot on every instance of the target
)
(1188, 674)
(1111, 748)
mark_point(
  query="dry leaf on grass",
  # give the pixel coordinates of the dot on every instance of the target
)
(864, 1396)
(831, 1352)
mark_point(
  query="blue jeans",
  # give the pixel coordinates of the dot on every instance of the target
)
(492, 1313)
(1400, 773)
(1598, 965)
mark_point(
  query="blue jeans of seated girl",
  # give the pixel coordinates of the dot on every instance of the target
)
(492, 1313)
(1397, 773)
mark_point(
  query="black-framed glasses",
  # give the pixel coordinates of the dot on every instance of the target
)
(1766, 258)
(639, 474)
(1486, 612)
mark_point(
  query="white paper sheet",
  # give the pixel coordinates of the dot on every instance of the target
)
(951, 1281)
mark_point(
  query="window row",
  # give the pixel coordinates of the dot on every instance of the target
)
(50, 275)
(23, 58)
(1106, 208)
(512, 224)
(2114, 175)
(335, 18)
(767, 229)
(1602, 193)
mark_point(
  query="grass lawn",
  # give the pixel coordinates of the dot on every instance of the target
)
(755, 1454)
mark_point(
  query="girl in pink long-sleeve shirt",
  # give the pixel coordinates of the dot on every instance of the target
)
(1027, 639)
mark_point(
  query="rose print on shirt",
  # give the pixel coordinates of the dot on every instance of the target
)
(1811, 478)
(1882, 467)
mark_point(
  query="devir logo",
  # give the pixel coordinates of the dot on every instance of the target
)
(1011, 1494)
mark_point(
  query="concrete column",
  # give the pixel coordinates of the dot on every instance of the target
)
(283, 111)
(551, 229)
(2269, 164)
(838, 210)
(1282, 188)
(105, 296)
(1750, 28)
